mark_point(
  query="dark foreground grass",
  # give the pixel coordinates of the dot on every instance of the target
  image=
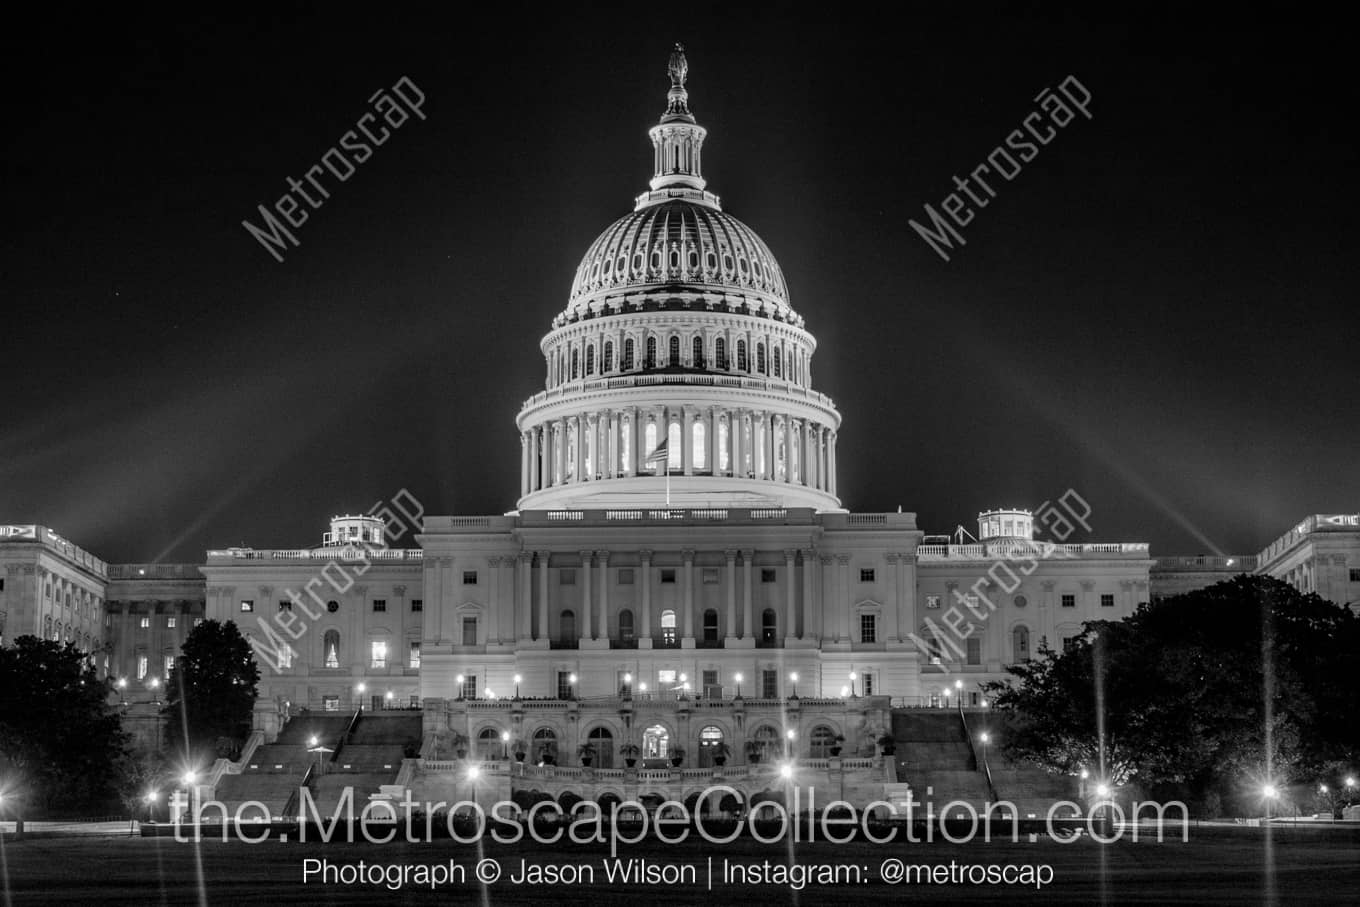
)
(1217, 866)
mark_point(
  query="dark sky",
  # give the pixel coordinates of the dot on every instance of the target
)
(1157, 312)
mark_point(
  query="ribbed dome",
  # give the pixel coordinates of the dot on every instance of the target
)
(678, 242)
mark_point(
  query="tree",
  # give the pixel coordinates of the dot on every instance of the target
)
(211, 691)
(1215, 690)
(58, 731)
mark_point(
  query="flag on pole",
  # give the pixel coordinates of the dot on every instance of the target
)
(660, 455)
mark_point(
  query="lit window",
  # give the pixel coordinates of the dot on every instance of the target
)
(170, 623)
(665, 676)
(700, 454)
(868, 628)
(668, 629)
(331, 649)
(933, 602)
(379, 659)
(197, 621)
(169, 664)
(414, 659)
(247, 606)
(141, 667)
(146, 623)
(866, 574)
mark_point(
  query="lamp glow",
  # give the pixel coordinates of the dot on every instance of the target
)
(1102, 790)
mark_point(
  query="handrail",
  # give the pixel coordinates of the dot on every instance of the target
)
(292, 804)
(986, 766)
(346, 734)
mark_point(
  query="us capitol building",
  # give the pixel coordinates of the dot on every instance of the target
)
(678, 571)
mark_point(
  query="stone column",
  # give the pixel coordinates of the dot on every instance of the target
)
(523, 463)
(713, 441)
(585, 627)
(809, 569)
(645, 578)
(534, 468)
(686, 442)
(735, 424)
(542, 595)
(790, 591)
(731, 556)
(788, 449)
(604, 594)
(687, 628)
(843, 595)
(831, 462)
(892, 612)
(747, 556)
(524, 595)
(560, 448)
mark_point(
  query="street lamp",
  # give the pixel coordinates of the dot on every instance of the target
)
(789, 735)
(793, 678)
(459, 680)
(1270, 793)
(517, 680)
(853, 675)
(150, 800)
(571, 686)
(737, 678)
(314, 746)
(642, 688)
(1102, 790)
(505, 745)
(845, 691)
(628, 685)
(785, 770)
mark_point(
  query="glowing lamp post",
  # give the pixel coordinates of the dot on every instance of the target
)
(1270, 793)
(737, 678)
(518, 678)
(793, 679)
(459, 680)
(505, 745)
(571, 686)
(853, 678)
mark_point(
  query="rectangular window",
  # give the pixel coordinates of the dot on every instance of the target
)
(414, 660)
(169, 664)
(866, 574)
(469, 686)
(247, 606)
(469, 577)
(330, 703)
(974, 650)
(1355, 574)
(710, 576)
(146, 623)
(668, 576)
(769, 684)
(1069, 601)
(767, 574)
(563, 684)
(665, 676)
(379, 659)
(1106, 601)
(469, 631)
(379, 604)
(1069, 643)
(868, 684)
(170, 623)
(285, 606)
(868, 628)
(417, 605)
(625, 576)
(141, 667)
(932, 602)
(2, 584)
(566, 576)
(710, 685)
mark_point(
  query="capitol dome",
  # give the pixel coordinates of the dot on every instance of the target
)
(679, 241)
(678, 374)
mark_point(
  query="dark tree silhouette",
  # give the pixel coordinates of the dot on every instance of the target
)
(211, 691)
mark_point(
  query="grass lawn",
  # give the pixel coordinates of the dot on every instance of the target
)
(1217, 866)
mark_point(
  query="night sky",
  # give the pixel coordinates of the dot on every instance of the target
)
(1157, 312)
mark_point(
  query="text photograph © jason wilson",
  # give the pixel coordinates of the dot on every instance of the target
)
(702, 454)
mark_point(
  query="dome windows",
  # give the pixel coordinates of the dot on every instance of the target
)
(608, 357)
(628, 355)
(674, 352)
(649, 360)
(721, 353)
(590, 360)
(742, 363)
(697, 357)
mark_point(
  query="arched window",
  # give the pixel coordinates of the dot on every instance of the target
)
(674, 351)
(673, 447)
(820, 742)
(566, 628)
(697, 353)
(710, 738)
(767, 744)
(489, 745)
(668, 639)
(330, 648)
(649, 361)
(710, 625)
(1020, 643)
(699, 456)
(656, 742)
(760, 359)
(778, 360)
(741, 356)
(603, 741)
(575, 364)
(720, 353)
(626, 445)
(608, 357)
(769, 626)
(545, 744)
(590, 359)
(628, 355)
(723, 462)
(626, 625)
